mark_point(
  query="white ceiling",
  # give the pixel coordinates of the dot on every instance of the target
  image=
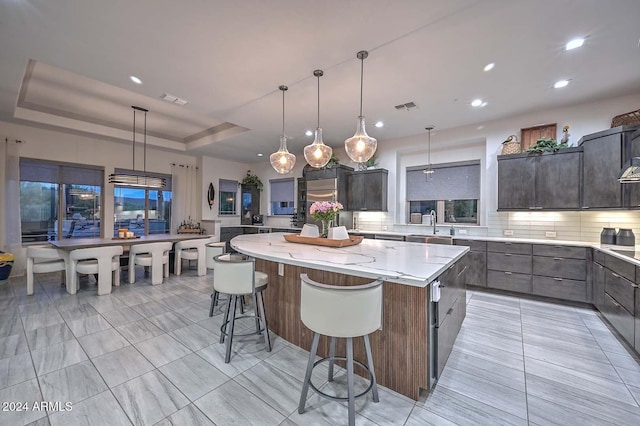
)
(66, 65)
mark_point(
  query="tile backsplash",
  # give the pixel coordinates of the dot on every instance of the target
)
(569, 226)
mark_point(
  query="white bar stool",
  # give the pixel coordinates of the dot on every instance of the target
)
(212, 250)
(104, 261)
(155, 255)
(43, 259)
(191, 250)
(235, 275)
(340, 312)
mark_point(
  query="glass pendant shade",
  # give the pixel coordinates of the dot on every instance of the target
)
(317, 154)
(282, 161)
(360, 147)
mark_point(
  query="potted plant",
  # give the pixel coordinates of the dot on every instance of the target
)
(251, 179)
(333, 161)
(546, 145)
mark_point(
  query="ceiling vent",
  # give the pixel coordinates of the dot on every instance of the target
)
(174, 99)
(407, 107)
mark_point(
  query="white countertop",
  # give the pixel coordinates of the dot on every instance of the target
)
(414, 264)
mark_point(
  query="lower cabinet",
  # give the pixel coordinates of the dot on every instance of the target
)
(476, 273)
(509, 266)
(451, 309)
(560, 288)
(619, 318)
(598, 285)
(448, 331)
(561, 272)
(511, 281)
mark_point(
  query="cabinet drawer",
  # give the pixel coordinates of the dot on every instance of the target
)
(451, 288)
(621, 289)
(574, 269)
(474, 245)
(448, 331)
(560, 288)
(620, 267)
(520, 263)
(637, 345)
(618, 316)
(598, 256)
(476, 274)
(566, 252)
(520, 283)
(509, 247)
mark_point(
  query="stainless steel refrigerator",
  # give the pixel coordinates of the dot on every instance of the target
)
(326, 190)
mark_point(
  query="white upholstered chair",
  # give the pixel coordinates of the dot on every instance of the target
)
(155, 255)
(104, 261)
(340, 312)
(43, 259)
(192, 250)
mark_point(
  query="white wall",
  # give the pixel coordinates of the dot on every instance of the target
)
(214, 169)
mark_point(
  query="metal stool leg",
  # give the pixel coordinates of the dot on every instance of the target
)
(213, 302)
(307, 376)
(264, 320)
(241, 304)
(226, 318)
(350, 383)
(255, 301)
(374, 386)
(232, 322)
(332, 353)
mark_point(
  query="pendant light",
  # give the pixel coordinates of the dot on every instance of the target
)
(428, 171)
(318, 154)
(282, 160)
(138, 179)
(361, 147)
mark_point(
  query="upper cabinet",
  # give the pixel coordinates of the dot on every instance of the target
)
(604, 155)
(367, 190)
(549, 181)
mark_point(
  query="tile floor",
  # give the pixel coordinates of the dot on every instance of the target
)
(149, 355)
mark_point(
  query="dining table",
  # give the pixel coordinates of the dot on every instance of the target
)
(70, 244)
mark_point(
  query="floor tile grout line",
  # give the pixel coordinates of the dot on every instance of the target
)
(524, 365)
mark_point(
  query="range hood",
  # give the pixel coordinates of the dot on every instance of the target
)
(630, 172)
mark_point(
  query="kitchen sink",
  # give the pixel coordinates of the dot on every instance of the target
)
(429, 239)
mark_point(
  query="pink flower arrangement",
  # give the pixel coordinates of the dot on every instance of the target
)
(325, 210)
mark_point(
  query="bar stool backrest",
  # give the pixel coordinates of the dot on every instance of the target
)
(95, 252)
(45, 252)
(212, 250)
(233, 274)
(341, 311)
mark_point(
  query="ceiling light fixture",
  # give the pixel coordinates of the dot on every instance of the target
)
(574, 44)
(136, 179)
(260, 154)
(135, 79)
(489, 67)
(561, 83)
(361, 147)
(308, 133)
(428, 171)
(282, 160)
(478, 103)
(318, 154)
(379, 124)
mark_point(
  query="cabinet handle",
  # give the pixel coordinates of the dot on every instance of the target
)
(507, 254)
(558, 258)
(508, 273)
(558, 247)
(450, 311)
(615, 303)
(586, 207)
(461, 272)
(615, 275)
(535, 208)
(558, 279)
(507, 243)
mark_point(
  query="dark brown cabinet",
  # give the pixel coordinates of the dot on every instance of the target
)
(548, 181)
(598, 285)
(619, 304)
(451, 309)
(509, 266)
(367, 190)
(250, 200)
(604, 155)
(476, 262)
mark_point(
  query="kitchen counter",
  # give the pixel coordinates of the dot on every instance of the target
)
(413, 264)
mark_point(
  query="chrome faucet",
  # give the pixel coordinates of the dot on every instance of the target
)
(432, 213)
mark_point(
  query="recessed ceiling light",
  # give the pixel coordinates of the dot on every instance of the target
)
(478, 103)
(489, 67)
(561, 83)
(574, 44)
(308, 133)
(135, 79)
(260, 155)
(379, 124)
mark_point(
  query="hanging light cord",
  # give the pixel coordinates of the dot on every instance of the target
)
(133, 166)
(318, 77)
(361, 81)
(144, 161)
(429, 149)
(282, 111)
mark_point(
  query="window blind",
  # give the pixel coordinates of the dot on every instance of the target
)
(281, 190)
(454, 181)
(45, 171)
(228, 185)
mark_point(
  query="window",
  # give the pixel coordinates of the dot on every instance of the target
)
(453, 193)
(47, 189)
(281, 196)
(142, 211)
(228, 194)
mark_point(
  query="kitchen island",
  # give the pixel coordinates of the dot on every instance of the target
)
(406, 351)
